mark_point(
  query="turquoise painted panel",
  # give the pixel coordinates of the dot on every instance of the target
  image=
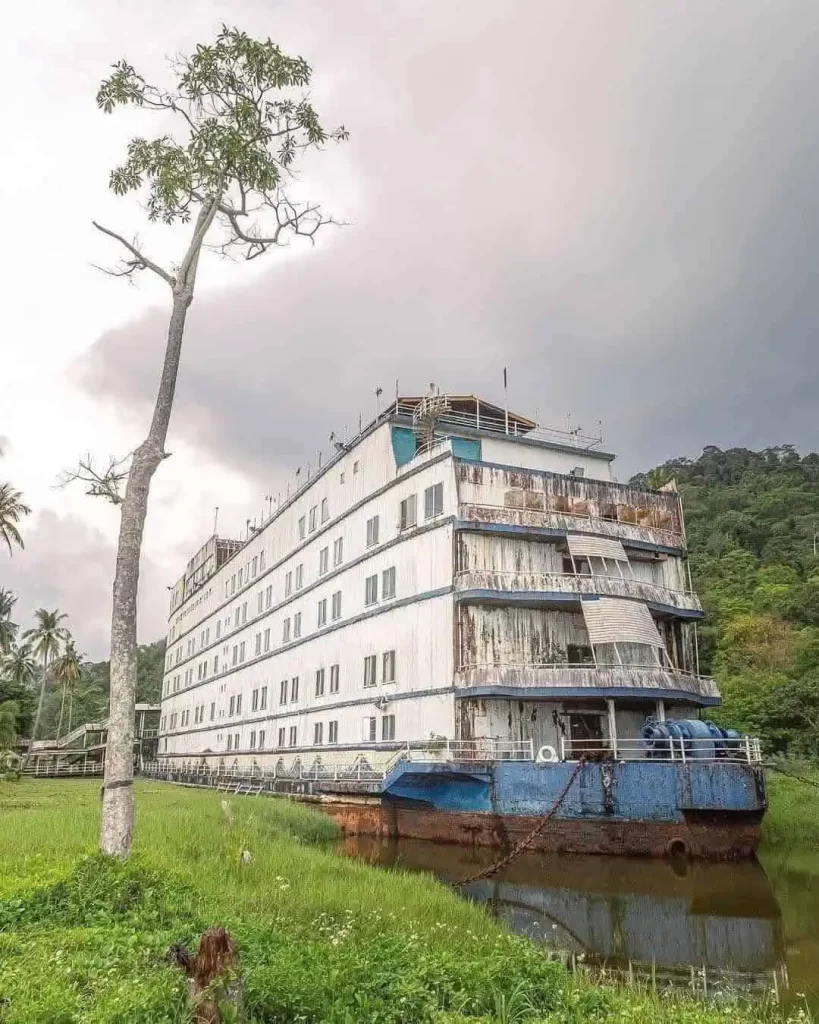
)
(403, 445)
(466, 448)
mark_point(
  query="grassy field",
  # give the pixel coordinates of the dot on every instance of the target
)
(792, 821)
(321, 938)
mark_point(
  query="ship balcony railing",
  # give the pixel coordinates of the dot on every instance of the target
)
(741, 750)
(651, 531)
(576, 583)
(473, 750)
(450, 418)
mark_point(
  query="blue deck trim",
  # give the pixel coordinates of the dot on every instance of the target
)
(545, 597)
(597, 692)
(559, 534)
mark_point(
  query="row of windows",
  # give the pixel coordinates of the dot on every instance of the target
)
(294, 578)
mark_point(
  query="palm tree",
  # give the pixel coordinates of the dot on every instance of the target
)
(46, 638)
(67, 672)
(8, 724)
(19, 665)
(12, 510)
(8, 629)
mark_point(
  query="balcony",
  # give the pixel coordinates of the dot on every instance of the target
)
(648, 682)
(565, 586)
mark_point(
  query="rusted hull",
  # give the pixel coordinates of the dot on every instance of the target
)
(708, 836)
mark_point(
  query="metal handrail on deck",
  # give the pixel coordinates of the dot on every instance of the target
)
(576, 576)
(742, 750)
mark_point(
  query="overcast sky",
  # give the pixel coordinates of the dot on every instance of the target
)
(618, 200)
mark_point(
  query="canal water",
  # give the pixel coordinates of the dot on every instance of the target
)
(748, 927)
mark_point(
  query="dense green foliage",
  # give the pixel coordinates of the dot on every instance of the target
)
(752, 520)
(321, 938)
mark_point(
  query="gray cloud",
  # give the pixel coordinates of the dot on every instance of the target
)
(617, 201)
(69, 565)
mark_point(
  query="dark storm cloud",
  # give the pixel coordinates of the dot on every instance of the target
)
(69, 565)
(617, 201)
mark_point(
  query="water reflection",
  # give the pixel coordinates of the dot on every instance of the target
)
(705, 925)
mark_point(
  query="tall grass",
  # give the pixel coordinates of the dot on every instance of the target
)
(321, 938)
(792, 821)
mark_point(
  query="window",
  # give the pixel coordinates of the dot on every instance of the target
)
(388, 583)
(341, 478)
(235, 653)
(236, 741)
(325, 510)
(299, 576)
(433, 501)
(254, 566)
(297, 624)
(215, 663)
(260, 602)
(288, 584)
(322, 612)
(236, 617)
(238, 703)
(261, 567)
(388, 667)
(313, 518)
(320, 682)
(218, 628)
(294, 689)
(212, 710)
(371, 590)
(252, 739)
(369, 734)
(355, 467)
(233, 584)
(336, 611)
(242, 649)
(285, 630)
(244, 612)
(263, 698)
(324, 561)
(409, 512)
(370, 670)
(229, 742)
(261, 739)
(387, 728)
(332, 732)
(254, 701)
(293, 735)
(318, 734)
(334, 672)
(283, 692)
(338, 551)
(281, 737)
(258, 647)
(267, 640)
(372, 531)
(268, 597)
(577, 654)
(302, 528)
(241, 574)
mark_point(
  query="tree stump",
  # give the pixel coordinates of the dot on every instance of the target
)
(212, 979)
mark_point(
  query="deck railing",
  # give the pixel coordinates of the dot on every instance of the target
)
(742, 750)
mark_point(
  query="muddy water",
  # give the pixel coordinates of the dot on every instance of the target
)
(707, 926)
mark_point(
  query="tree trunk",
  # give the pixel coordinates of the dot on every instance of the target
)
(70, 707)
(36, 725)
(60, 719)
(118, 788)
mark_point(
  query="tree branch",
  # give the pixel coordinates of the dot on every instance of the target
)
(139, 262)
(104, 483)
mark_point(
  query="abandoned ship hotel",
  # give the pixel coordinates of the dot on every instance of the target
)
(459, 621)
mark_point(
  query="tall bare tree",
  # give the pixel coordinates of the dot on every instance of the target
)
(242, 119)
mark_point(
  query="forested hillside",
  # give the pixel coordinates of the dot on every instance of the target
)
(752, 520)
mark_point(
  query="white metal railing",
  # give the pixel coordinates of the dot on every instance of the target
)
(742, 750)
(586, 582)
(580, 517)
(474, 750)
(55, 769)
(565, 666)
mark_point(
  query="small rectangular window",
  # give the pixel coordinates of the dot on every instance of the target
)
(254, 566)
(355, 467)
(288, 584)
(302, 528)
(252, 739)
(286, 630)
(388, 667)
(318, 734)
(233, 584)
(242, 649)
(313, 518)
(254, 701)
(230, 742)
(299, 576)
(341, 477)
(369, 733)
(408, 512)
(338, 551)
(268, 597)
(433, 501)
(244, 611)
(324, 560)
(293, 735)
(283, 692)
(388, 728)
(281, 737)
(261, 567)
(212, 710)
(261, 739)
(263, 701)
(336, 612)
(334, 674)
(232, 706)
(388, 583)
(371, 590)
(260, 602)
(267, 640)
(215, 663)
(235, 654)
(258, 647)
(297, 624)
(325, 510)
(372, 531)
(294, 689)
(236, 617)
(218, 628)
(238, 703)
(320, 682)
(370, 670)
(322, 612)
(236, 741)
(332, 732)
(241, 575)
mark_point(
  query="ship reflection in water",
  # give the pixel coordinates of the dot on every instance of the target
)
(708, 926)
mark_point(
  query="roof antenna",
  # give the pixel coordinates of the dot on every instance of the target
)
(379, 391)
